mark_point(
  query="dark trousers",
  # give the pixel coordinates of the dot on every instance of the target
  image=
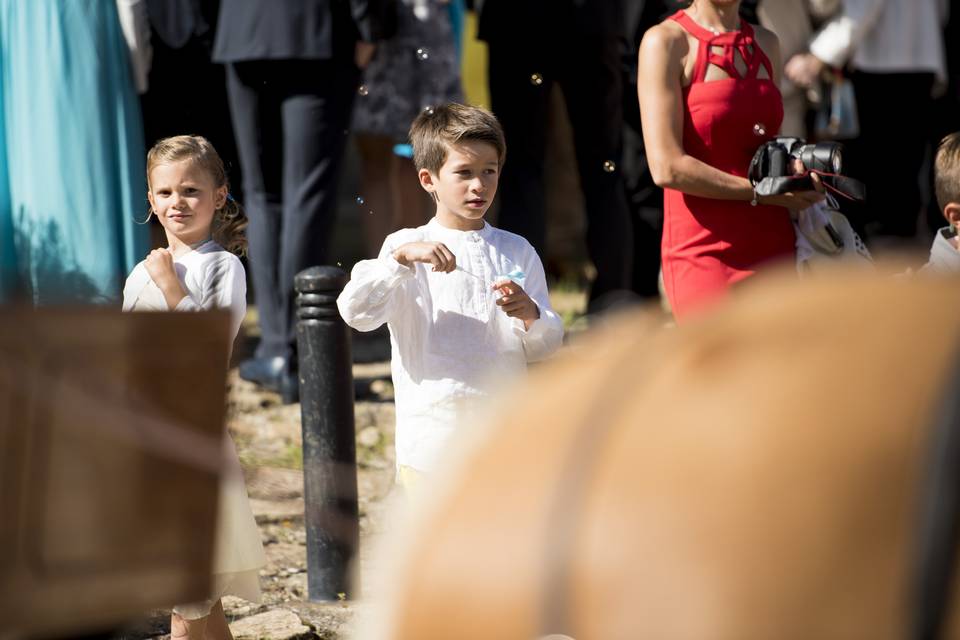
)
(588, 71)
(894, 111)
(290, 119)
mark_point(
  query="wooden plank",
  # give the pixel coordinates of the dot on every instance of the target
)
(110, 442)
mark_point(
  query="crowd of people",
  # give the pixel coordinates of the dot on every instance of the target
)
(281, 92)
(667, 101)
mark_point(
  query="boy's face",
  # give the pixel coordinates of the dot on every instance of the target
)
(465, 185)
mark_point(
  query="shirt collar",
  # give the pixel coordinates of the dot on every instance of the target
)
(943, 253)
(447, 234)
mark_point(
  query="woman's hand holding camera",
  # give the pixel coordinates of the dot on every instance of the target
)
(797, 200)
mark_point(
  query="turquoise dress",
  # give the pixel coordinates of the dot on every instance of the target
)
(72, 183)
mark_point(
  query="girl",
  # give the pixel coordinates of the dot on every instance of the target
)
(707, 85)
(188, 193)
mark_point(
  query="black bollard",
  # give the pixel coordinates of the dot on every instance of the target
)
(329, 446)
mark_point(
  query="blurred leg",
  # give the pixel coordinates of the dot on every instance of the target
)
(255, 112)
(592, 87)
(519, 91)
(315, 113)
(412, 205)
(377, 213)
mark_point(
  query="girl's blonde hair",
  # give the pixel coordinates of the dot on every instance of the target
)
(229, 221)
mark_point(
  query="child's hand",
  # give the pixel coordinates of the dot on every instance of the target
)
(515, 302)
(159, 264)
(435, 253)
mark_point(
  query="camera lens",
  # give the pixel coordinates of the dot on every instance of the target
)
(825, 157)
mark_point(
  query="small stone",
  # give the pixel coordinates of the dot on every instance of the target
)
(369, 437)
(381, 387)
(280, 624)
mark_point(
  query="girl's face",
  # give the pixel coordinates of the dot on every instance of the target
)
(184, 199)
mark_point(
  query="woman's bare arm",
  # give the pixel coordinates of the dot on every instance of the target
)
(659, 90)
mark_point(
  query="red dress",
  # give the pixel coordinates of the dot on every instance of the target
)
(710, 244)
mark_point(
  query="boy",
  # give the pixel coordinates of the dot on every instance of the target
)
(945, 252)
(466, 303)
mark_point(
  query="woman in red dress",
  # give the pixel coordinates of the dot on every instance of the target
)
(708, 94)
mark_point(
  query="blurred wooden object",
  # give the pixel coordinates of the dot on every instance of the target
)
(110, 450)
(755, 474)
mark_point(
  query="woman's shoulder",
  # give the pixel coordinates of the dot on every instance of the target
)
(666, 37)
(666, 32)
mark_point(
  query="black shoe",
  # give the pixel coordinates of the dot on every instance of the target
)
(263, 371)
(273, 374)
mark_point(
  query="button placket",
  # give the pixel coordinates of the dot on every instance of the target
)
(476, 266)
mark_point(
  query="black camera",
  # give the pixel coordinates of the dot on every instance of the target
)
(784, 164)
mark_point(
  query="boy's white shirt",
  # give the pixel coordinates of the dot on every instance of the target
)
(451, 344)
(944, 256)
(212, 277)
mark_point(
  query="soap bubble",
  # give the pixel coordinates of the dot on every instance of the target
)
(536, 79)
(363, 90)
(609, 166)
(428, 110)
(422, 54)
(759, 129)
(359, 199)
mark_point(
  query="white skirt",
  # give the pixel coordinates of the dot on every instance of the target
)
(238, 551)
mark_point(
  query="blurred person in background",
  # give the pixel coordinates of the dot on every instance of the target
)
(415, 70)
(181, 35)
(895, 50)
(791, 21)
(532, 46)
(71, 149)
(293, 70)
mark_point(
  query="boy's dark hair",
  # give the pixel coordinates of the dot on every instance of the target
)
(947, 170)
(448, 124)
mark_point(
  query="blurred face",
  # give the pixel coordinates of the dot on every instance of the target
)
(184, 199)
(465, 185)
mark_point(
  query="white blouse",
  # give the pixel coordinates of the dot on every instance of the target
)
(451, 344)
(212, 277)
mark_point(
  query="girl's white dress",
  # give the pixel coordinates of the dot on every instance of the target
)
(214, 278)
